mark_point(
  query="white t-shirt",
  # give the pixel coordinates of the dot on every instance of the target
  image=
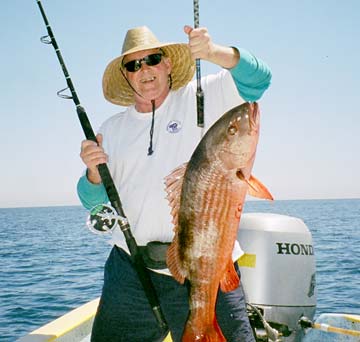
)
(139, 178)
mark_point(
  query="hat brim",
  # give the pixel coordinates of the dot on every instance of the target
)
(117, 90)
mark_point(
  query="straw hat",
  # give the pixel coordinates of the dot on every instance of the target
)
(115, 87)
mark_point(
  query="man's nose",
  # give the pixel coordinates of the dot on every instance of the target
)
(143, 65)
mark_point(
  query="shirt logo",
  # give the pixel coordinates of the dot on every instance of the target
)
(174, 126)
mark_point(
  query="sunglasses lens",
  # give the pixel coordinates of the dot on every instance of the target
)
(133, 65)
(150, 60)
(154, 59)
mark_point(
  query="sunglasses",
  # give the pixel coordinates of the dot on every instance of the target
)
(150, 60)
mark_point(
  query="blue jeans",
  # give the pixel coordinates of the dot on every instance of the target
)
(124, 313)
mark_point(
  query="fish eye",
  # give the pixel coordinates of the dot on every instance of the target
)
(232, 130)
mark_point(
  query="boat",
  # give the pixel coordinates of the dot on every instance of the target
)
(279, 279)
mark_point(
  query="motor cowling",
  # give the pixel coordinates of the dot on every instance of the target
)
(277, 272)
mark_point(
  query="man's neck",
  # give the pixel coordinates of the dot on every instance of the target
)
(145, 106)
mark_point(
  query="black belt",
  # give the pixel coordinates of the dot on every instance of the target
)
(154, 254)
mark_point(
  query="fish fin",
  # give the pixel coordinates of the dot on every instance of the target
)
(173, 188)
(230, 280)
(258, 189)
(173, 262)
(173, 185)
(203, 333)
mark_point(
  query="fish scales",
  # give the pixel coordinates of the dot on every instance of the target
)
(209, 205)
(209, 221)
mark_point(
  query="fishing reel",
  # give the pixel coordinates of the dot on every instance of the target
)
(103, 219)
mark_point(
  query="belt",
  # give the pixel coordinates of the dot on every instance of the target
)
(154, 254)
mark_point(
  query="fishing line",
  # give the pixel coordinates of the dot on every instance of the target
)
(107, 180)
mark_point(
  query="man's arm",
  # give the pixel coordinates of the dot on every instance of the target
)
(251, 75)
(91, 194)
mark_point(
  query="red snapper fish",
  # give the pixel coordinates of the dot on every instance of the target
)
(207, 196)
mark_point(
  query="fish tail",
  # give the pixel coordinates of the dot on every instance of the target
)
(209, 333)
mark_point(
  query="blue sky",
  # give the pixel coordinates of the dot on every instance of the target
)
(310, 116)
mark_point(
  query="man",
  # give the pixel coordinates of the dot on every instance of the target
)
(142, 145)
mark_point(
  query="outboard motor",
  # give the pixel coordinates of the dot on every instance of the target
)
(278, 274)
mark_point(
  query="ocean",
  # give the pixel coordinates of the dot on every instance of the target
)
(51, 263)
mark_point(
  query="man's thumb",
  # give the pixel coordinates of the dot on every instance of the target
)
(99, 139)
(187, 29)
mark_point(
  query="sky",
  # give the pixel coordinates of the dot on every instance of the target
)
(310, 137)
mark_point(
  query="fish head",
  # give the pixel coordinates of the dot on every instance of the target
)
(236, 136)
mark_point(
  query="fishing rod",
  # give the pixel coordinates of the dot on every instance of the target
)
(108, 182)
(199, 91)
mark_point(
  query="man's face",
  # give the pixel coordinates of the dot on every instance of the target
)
(151, 82)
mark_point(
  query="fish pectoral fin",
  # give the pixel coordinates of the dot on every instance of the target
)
(173, 183)
(173, 262)
(258, 189)
(230, 280)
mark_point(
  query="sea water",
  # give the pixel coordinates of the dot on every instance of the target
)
(51, 263)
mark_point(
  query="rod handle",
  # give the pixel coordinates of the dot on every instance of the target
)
(200, 107)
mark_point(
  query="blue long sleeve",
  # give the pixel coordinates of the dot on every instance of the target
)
(251, 75)
(91, 194)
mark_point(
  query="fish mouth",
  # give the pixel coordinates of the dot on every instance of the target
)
(251, 117)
